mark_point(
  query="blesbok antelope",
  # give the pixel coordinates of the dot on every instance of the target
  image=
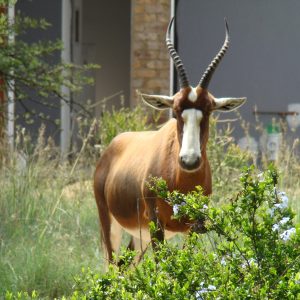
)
(176, 152)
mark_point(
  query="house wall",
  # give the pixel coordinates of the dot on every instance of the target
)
(104, 39)
(149, 55)
(126, 38)
(51, 11)
(262, 62)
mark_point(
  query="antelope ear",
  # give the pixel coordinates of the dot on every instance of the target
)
(228, 104)
(156, 101)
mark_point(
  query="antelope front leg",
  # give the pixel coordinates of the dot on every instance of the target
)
(157, 233)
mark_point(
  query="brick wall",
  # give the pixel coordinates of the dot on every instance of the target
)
(149, 55)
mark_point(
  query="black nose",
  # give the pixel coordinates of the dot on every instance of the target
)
(190, 162)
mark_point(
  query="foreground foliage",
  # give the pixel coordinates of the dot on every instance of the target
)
(254, 253)
(49, 228)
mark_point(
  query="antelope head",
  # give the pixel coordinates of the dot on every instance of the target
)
(192, 107)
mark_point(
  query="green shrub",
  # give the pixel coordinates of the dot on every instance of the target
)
(254, 253)
(226, 161)
(124, 119)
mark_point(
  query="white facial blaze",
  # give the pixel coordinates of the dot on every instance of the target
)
(190, 147)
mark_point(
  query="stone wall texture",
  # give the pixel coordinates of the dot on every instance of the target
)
(149, 56)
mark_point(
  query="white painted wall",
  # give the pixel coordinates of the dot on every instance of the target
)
(10, 92)
(65, 135)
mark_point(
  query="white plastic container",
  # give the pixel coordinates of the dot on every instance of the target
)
(273, 146)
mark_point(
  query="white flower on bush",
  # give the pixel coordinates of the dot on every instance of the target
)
(260, 177)
(176, 208)
(275, 227)
(283, 202)
(203, 290)
(250, 262)
(271, 212)
(286, 235)
(223, 261)
(281, 193)
(284, 220)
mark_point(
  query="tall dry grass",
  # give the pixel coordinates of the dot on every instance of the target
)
(46, 235)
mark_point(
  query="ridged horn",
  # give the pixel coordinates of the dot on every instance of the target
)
(204, 81)
(183, 79)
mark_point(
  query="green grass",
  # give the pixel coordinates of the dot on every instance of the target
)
(46, 236)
